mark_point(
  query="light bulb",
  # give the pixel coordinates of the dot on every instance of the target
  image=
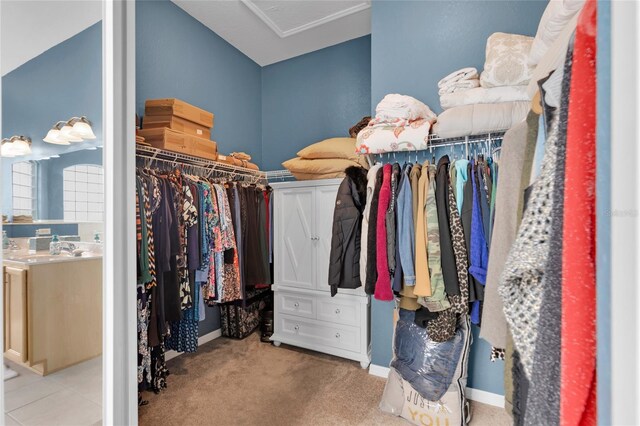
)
(7, 150)
(83, 130)
(54, 137)
(21, 147)
(68, 133)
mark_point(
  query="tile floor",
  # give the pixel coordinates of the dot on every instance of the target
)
(68, 397)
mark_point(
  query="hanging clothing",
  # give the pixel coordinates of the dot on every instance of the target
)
(516, 150)
(449, 270)
(423, 280)
(366, 213)
(438, 300)
(521, 283)
(344, 264)
(372, 232)
(578, 386)
(406, 231)
(383, 283)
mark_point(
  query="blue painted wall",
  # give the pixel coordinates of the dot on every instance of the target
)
(435, 38)
(178, 57)
(63, 82)
(313, 97)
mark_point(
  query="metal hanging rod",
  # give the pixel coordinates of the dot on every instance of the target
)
(436, 141)
(201, 166)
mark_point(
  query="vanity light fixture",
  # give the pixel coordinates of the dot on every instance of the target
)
(76, 129)
(82, 128)
(54, 135)
(7, 149)
(15, 146)
(67, 132)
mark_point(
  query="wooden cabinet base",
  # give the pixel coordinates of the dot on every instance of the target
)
(63, 324)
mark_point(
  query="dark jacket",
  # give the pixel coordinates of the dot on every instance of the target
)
(372, 265)
(447, 258)
(344, 266)
(476, 290)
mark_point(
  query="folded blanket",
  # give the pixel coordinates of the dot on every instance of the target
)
(483, 95)
(391, 138)
(469, 73)
(467, 120)
(462, 79)
(399, 122)
(459, 86)
(394, 106)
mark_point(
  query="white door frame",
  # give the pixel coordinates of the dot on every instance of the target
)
(624, 216)
(120, 401)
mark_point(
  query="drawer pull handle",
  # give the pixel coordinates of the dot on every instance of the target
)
(337, 311)
(296, 305)
(296, 328)
(337, 335)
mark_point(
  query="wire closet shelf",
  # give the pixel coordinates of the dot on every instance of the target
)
(434, 142)
(149, 156)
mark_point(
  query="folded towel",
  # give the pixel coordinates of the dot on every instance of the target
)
(482, 95)
(394, 106)
(459, 86)
(469, 73)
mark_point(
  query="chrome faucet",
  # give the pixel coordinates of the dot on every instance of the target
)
(67, 246)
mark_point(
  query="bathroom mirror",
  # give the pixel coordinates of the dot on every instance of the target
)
(52, 211)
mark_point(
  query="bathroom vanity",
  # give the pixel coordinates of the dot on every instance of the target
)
(52, 309)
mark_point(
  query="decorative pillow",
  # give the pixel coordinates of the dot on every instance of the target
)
(331, 148)
(313, 176)
(506, 62)
(556, 16)
(319, 165)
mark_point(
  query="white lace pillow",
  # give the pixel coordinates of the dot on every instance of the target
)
(506, 62)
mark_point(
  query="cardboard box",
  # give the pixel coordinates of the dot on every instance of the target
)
(171, 140)
(176, 123)
(178, 108)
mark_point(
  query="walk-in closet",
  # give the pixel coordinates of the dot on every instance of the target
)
(360, 212)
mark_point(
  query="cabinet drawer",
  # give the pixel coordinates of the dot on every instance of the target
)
(296, 304)
(338, 311)
(319, 333)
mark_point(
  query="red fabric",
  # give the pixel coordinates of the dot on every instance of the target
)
(578, 349)
(383, 284)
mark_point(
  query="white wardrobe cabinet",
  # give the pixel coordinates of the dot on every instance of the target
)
(305, 313)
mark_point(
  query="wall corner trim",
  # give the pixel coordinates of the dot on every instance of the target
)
(477, 395)
(201, 341)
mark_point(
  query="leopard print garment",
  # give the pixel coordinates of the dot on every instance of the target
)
(460, 302)
(443, 327)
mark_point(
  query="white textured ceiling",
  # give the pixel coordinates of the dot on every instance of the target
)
(271, 31)
(30, 27)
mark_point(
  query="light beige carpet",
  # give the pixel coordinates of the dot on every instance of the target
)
(246, 382)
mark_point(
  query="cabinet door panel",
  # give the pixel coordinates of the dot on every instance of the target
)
(326, 201)
(294, 246)
(15, 314)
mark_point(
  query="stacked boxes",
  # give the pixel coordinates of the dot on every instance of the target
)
(177, 126)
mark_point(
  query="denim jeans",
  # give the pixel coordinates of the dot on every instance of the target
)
(429, 366)
(406, 232)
